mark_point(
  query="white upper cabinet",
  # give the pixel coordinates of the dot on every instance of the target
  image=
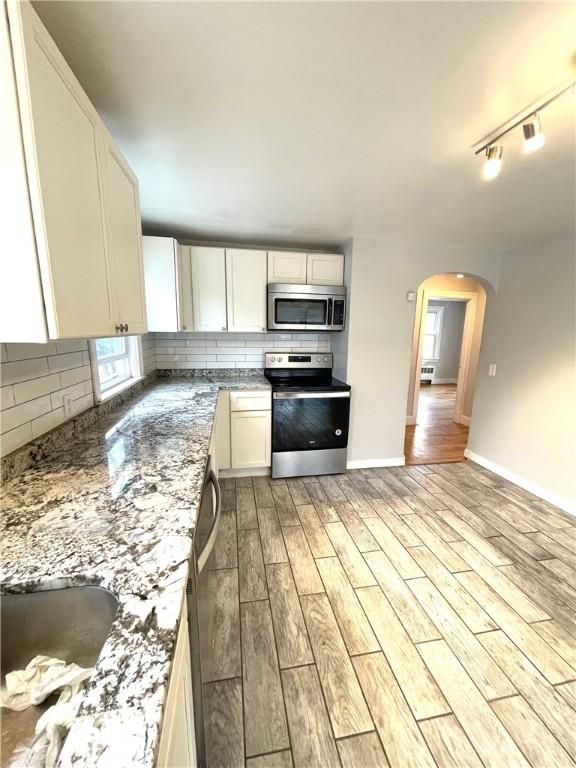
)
(84, 199)
(22, 316)
(325, 269)
(246, 279)
(208, 270)
(124, 240)
(161, 279)
(286, 267)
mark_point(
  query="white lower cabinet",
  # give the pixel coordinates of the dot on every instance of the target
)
(177, 741)
(222, 431)
(250, 433)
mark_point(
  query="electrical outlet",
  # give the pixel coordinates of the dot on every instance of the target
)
(492, 369)
(411, 296)
(67, 403)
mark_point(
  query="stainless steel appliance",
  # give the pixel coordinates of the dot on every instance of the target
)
(196, 595)
(306, 307)
(310, 415)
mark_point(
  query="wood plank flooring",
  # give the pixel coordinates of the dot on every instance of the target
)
(435, 437)
(390, 618)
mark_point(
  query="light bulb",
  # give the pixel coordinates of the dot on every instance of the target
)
(533, 136)
(460, 276)
(493, 162)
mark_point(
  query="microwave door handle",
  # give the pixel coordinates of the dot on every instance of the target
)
(211, 540)
(329, 320)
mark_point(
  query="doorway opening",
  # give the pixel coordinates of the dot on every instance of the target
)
(445, 348)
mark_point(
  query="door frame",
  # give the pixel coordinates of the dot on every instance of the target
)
(471, 299)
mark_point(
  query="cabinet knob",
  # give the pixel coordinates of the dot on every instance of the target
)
(223, 327)
(119, 329)
(126, 328)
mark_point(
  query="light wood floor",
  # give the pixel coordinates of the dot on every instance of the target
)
(407, 617)
(435, 438)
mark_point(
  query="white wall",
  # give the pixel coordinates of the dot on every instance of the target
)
(380, 328)
(231, 350)
(448, 361)
(34, 378)
(524, 418)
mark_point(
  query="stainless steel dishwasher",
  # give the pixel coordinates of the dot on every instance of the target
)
(204, 540)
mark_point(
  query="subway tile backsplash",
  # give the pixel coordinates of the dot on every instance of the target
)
(34, 379)
(231, 350)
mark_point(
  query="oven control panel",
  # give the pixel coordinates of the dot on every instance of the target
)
(295, 360)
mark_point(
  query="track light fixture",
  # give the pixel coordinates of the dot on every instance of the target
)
(533, 136)
(493, 162)
(529, 119)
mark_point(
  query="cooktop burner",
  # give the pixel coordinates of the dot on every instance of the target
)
(311, 372)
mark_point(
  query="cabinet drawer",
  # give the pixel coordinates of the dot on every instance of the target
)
(251, 400)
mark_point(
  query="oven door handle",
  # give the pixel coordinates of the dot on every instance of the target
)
(211, 540)
(308, 395)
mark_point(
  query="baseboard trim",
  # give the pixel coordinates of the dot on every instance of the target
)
(444, 381)
(542, 493)
(410, 421)
(464, 420)
(399, 461)
(249, 472)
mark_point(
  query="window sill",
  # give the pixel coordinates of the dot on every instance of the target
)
(109, 393)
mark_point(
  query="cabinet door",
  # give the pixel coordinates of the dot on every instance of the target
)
(286, 267)
(208, 267)
(62, 134)
(177, 747)
(160, 278)
(124, 239)
(223, 430)
(246, 278)
(184, 288)
(325, 269)
(22, 316)
(250, 439)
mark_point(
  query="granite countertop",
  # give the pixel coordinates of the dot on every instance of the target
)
(117, 508)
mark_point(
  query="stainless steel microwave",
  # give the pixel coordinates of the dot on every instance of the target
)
(296, 307)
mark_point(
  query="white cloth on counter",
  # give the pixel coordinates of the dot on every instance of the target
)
(42, 676)
(30, 686)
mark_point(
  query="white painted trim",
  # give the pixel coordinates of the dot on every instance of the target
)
(399, 461)
(410, 421)
(528, 485)
(244, 472)
(464, 420)
(471, 299)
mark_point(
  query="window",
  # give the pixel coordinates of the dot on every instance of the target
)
(432, 333)
(116, 363)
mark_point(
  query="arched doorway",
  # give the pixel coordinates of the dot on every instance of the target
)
(446, 343)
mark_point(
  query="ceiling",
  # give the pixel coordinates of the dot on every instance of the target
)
(315, 122)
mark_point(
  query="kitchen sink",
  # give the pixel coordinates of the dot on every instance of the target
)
(70, 624)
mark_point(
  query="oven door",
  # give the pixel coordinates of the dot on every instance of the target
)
(298, 312)
(310, 421)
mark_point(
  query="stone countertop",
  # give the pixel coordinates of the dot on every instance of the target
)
(117, 508)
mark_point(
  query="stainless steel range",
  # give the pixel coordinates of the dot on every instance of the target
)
(310, 415)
